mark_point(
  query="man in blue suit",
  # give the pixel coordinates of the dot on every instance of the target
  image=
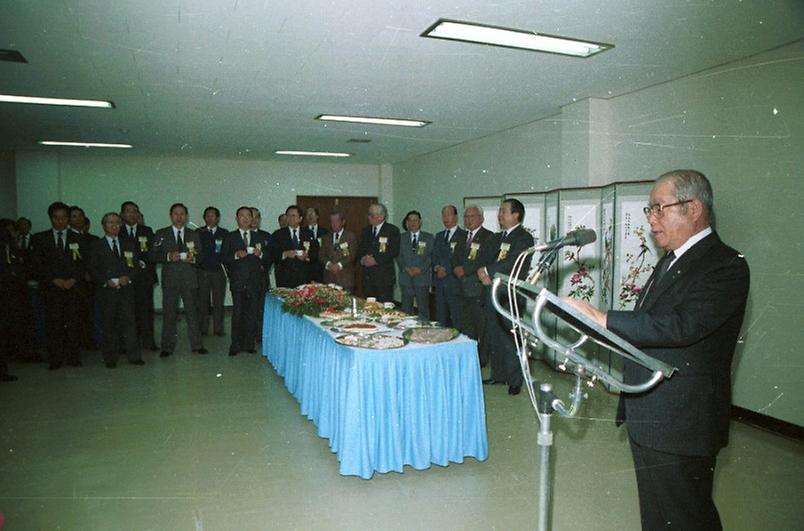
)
(447, 285)
(689, 316)
(211, 277)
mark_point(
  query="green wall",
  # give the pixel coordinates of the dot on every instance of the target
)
(742, 124)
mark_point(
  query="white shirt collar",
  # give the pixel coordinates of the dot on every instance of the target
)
(129, 228)
(378, 227)
(415, 234)
(687, 245)
(109, 240)
(512, 229)
(176, 230)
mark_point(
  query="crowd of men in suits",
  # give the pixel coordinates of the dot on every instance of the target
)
(98, 292)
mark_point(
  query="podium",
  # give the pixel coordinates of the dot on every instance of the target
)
(586, 371)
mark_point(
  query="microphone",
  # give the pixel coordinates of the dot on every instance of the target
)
(575, 238)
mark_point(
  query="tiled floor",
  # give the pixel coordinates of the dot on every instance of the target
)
(211, 442)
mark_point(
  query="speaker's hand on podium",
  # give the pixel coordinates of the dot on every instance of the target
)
(587, 309)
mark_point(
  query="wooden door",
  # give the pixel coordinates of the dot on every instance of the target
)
(355, 210)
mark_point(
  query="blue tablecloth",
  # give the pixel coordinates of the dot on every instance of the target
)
(381, 409)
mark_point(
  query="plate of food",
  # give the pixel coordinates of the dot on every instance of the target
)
(376, 341)
(360, 327)
(430, 334)
(337, 314)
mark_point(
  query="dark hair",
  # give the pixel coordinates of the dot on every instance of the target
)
(76, 207)
(57, 205)
(127, 203)
(26, 220)
(217, 212)
(177, 205)
(516, 208)
(453, 207)
(338, 212)
(297, 208)
(279, 217)
(242, 208)
(405, 219)
(107, 215)
(314, 209)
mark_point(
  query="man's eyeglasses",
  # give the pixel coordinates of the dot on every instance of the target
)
(658, 210)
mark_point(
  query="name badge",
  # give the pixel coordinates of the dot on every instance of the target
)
(474, 247)
(422, 248)
(129, 258)
(383, 243)
(143, 243)
(452, 247)
(344, 248)
(504, 247)
(218, 244)
(75, 250)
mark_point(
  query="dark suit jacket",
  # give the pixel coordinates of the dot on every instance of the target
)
(518, 240)
(345, 253)
(691, 320)
(291, 272)
(210, 256)
(384, 273)
(176, 273)
(144, 240)
(443, 252)
(49, 264)
(103, 264)
(320, 233)
(247, 273)
(470, 284)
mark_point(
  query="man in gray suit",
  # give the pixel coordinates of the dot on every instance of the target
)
(177, 248)
(465, 263)
(415, 263)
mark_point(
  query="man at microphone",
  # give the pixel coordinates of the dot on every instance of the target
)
(689, 316)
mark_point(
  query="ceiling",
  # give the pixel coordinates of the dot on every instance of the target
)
(243, 78)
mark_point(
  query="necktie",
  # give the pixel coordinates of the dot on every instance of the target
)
(295, 239)
(131, 231)
(446, 236)
(413, 243)
(178, 239)
(335, 240)
(374, 231)
(469, 238)
(60, 241)
(245, 237)
(115, 249)
(666, 261)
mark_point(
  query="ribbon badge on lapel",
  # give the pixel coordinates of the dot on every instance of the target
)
(306, 246)
(191, 248)
(452, 247)
(422, 248)
(474, 248)
(129, 258)
(75, 251)
(344, 246)
(143, 243)
(383, 243)
(504, 248)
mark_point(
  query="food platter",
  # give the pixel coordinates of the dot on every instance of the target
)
(353, 326)
(430, 334)
(376, 341)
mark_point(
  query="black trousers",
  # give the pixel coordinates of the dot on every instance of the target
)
(448, 305)
(144, 310)
(245, 312)
(118, 323)
(63, 322)
(473, 324)
(675, 491)
(379, 287)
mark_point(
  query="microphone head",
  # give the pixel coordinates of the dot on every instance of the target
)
(580, 237)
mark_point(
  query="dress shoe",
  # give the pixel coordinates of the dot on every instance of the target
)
(75, 363)
(153, 348)
(492, 381)
(233, 352)
(164, 354)
(201, 350)
(137, 362)
(111, 364)
(53, 366)
(252, 351)
(514, 389)
(220, 334)
(8, 378)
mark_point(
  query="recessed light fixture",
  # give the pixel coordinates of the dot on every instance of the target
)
(454, 30)
(372, 120)
(8, 98)
(83, 144)
(313, 153)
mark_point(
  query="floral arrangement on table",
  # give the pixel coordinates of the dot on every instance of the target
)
(630, 290)
(582, 285)
(312, 299)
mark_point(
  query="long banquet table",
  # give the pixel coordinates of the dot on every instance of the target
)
(381, 409)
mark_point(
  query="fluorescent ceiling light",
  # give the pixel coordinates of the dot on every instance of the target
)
(372, 120)
(511, 38)
(83, 144)
(313, 153)
(8, 98)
